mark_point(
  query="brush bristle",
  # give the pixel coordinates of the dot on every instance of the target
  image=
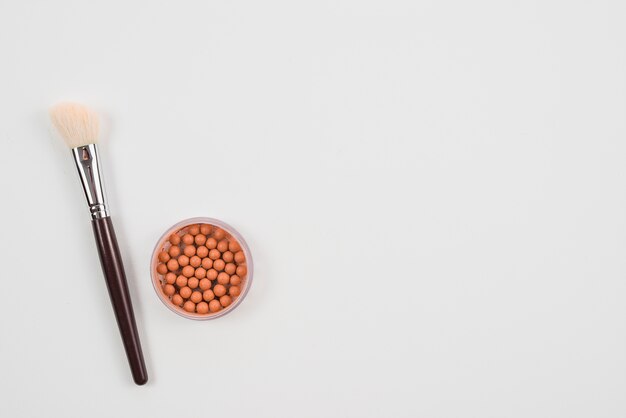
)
(77, 124)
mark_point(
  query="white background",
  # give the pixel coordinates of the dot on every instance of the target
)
(434, 193)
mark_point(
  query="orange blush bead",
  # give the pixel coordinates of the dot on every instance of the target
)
(242, 270)
(189, 250)
(219, 265)
(223, 278)
(174, 251)
(215, 306)
(169, 290)
(177, 300)
(228, 257)
(234, 246)
(222, 246)
(188, 239)
(172, 265)
(230, 268)
(234, 291)
(170, 278)
(181, 281)
(202, 251)
(202, 308)
(200, 239)
(195, 261)
(185, 292)
(207, 263)
(174, 239)
(183, 260)
(225, 300)
(193, 282)
(164, 257)
(219, 290)
(196, 297)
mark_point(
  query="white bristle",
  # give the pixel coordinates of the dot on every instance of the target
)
(77, 124)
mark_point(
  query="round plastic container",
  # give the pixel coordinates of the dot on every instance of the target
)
(180, 229)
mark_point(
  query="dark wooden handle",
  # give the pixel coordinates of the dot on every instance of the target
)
(120, 298)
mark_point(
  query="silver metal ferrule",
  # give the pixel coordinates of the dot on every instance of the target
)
(88, 165)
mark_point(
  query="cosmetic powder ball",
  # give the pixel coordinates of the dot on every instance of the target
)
(174, 239)
(177, 300)
(207, 263)
(241, 270)
(174, 251)
(228, 256)
(188, 271)
(169, 290)
(215, 305)
(222, 246)
(230, 268)
(170, 278)
(205, 284)
(162, 269)
(234, 291)
(202, 308)
(219, 290)
(233, 246)
(185, 292)
(188, 239)
(193, 282)
(189, 251)
(202, 269)
(183, 260)
(239, 257)
(202, 251)
(226, 300)
(219, 265)
(164, 257)
(211, 274)
(172, 265)
(219, 234)
(196, 297)
(200, 239)
(181, 281)
(195, 261)
(223, 278)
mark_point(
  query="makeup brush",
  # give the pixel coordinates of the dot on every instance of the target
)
(79, 127)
